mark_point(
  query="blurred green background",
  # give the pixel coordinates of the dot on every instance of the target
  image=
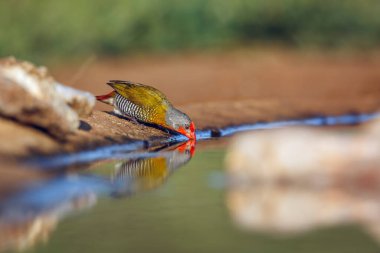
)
(42, 30)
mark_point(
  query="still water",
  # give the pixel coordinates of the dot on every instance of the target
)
(166, 200)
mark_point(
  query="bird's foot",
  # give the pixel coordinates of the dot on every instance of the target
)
(133, 120)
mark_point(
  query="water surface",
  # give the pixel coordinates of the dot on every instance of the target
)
(167, 199)
(184, 211)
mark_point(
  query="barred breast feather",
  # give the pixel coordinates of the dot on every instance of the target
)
(130, 109)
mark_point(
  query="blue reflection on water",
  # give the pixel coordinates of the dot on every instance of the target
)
(54, 195)
(63, 194)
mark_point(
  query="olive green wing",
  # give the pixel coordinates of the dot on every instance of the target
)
(142, 95)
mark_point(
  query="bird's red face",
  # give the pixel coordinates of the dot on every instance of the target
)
(189, 132)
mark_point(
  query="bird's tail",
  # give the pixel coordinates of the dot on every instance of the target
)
(107, 99)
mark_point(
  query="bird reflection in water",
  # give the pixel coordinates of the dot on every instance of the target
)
(146, 173)
(30, 216)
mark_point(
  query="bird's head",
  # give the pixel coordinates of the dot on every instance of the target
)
(181, 123)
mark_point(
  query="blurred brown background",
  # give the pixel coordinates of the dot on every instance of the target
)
(203, 50)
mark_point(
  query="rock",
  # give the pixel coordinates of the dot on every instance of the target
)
(288, 181)
(28, 94)
(306, 155)
(79, 101)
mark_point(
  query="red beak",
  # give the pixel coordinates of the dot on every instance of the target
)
(191, 134)
(192, 131)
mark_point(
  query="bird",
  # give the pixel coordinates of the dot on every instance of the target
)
(143, 103)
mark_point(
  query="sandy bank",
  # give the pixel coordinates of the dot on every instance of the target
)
(215, 90)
